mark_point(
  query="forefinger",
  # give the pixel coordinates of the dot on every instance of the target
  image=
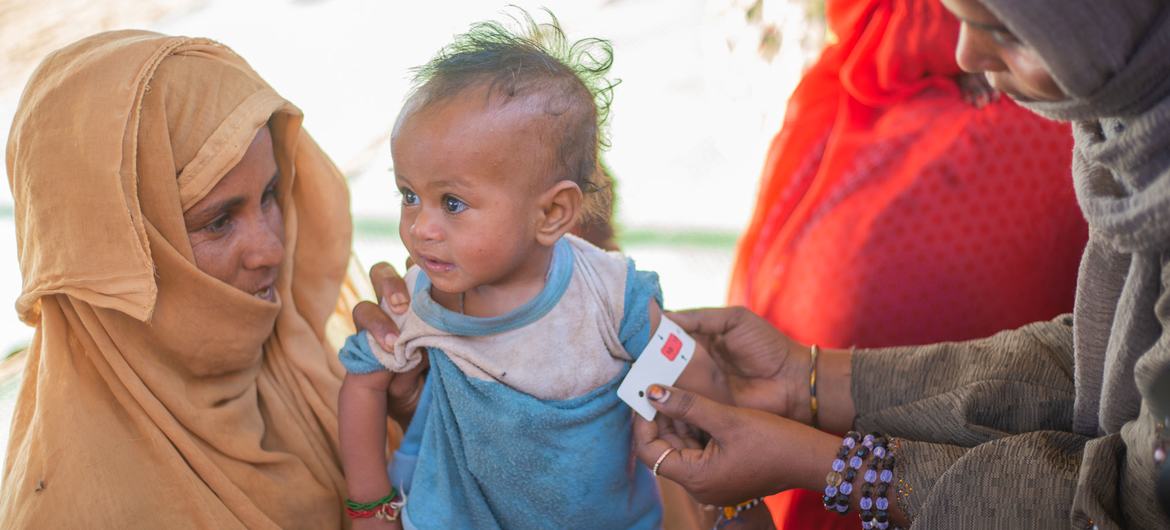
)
(648, 446)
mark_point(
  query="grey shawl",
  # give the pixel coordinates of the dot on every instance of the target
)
(1047, 425)
(1113, 59)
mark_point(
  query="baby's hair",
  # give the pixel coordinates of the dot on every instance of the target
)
(536, 59)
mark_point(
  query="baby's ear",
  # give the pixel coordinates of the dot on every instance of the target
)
(560, 205)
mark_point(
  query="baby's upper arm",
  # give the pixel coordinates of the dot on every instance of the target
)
(655, 314)
(640, 308)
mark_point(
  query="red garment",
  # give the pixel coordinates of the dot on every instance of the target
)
(891, 212)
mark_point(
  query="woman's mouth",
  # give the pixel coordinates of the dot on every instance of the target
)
(267, 294)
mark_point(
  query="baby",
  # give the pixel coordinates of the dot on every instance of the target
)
(529, 330)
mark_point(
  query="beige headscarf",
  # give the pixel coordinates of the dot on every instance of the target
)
(156, 396)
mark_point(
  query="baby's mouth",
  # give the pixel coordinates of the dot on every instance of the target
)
(434, 265)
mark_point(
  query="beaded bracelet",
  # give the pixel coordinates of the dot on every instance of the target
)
(882, 515)
(885, 477)
(866, 502)
(875, 508)
(838, 486)
(385, 509)
(877, 478)
(727, 514)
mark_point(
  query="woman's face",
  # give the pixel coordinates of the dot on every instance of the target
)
(237, 231)
(987, 46)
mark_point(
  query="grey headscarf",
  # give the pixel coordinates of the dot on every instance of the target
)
(1112, 58)
(1109, 56)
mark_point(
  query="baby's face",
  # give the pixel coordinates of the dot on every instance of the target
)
(471, 174)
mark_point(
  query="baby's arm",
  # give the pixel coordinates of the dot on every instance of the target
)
(362, 424)
(701, 375)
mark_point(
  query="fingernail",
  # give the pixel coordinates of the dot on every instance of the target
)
(657, 393)
(397, 299)
(388, 341)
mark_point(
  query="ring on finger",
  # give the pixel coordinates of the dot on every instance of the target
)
(661, 458)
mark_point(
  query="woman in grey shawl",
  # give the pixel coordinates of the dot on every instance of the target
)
(1046, 426)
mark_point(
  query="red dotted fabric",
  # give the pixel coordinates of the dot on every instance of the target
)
(891, 212)
(923, 241)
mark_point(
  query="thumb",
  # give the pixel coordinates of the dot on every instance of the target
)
(709, 320)
(389, 288)
(688, 319)
(370, 317)
(689, 407)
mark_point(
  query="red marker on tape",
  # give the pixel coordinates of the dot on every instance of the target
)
(671, 348)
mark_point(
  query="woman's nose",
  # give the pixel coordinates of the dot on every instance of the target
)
(265, 246)
(975, 54)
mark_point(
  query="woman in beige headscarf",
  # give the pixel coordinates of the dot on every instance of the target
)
(182, 242)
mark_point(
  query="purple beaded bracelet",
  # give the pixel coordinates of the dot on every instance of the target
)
(839, 481)
(865, 504)
(874, 509)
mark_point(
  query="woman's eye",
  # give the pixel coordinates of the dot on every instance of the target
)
(453, 205)
(219, 224)
(408, 198)
(270, 196)
(1004, 38)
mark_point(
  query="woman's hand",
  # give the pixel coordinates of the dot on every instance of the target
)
(976, 91)
(393, 296)
(765, 370)
(749, 453)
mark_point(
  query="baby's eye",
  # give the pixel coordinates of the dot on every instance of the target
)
(408, 197)
(453, 204)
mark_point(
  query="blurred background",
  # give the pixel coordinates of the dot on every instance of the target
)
(703, 89)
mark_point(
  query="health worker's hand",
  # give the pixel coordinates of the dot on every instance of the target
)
(764, 369)
(748, 453)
